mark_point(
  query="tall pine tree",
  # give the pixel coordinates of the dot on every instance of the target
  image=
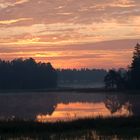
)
(135, 68)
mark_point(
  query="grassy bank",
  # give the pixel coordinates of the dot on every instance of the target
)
(104, 125)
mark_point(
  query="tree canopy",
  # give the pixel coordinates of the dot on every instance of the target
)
(115, 79)
(26, 74)
(129, 79)
(135, 68)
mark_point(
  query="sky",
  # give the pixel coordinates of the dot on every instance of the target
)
(70, 33)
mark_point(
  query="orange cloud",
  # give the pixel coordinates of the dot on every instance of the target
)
(7, 22)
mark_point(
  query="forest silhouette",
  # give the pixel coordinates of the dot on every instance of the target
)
(126, 79)
(26, 74)
(29, 74)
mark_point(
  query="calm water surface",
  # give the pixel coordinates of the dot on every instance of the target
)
(45, 107)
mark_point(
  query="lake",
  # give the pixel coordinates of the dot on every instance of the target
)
(64, 106)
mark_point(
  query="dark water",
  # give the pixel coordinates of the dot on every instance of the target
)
(46, 107)
(64, 106)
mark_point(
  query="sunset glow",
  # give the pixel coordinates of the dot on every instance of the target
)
(93, 34)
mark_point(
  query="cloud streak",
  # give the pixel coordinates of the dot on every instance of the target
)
(8, 22)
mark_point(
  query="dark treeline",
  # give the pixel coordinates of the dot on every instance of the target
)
(126, 79)
(81, 75)
(26, 74)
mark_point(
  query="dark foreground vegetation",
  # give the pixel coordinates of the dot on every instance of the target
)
(113, 125)
(87, 129)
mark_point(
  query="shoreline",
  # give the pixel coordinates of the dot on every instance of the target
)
(78, 90)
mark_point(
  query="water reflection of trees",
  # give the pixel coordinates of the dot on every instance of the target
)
(27, 106)
(30, 105)
(117, 103)
(113, 104)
